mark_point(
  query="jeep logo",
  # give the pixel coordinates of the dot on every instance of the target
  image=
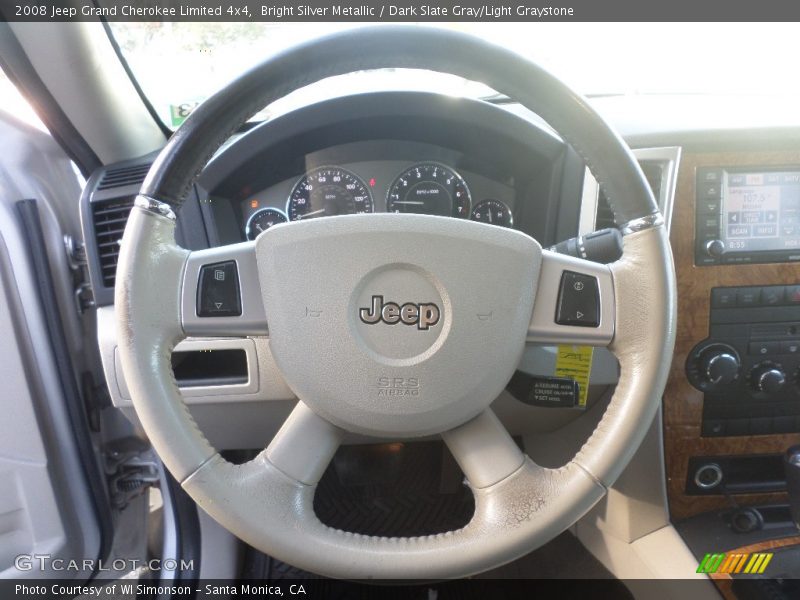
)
(423, 316)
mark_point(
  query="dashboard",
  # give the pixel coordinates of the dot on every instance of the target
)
(395, 152)
(425, 186)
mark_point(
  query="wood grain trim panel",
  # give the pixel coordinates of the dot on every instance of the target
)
(683, 404)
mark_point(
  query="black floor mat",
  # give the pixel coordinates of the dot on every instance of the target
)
(396, 489)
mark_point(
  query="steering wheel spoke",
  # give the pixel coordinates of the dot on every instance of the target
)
(221, 294)
(484, 450)
(304, 446)
(574, 302)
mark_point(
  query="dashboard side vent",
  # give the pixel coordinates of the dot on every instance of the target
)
(123, 176)
(653, 172)
(109, 219)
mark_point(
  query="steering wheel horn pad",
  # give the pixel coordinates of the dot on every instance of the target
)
(409, 303)
(453, 300)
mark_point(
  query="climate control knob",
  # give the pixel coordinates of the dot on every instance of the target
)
(719, 366)
(711, 367)
(768, 378)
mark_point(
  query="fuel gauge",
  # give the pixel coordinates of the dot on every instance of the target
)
(263, 219)
(493, 212)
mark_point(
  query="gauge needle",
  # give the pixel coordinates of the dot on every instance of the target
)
(311, 214)
(489, 212)
(416, 202)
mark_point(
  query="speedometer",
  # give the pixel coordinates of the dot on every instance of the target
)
(430, 189)
(328, 191)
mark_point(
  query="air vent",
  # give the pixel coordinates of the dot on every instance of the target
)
(110, 218)
(123, 176)
(652, 172)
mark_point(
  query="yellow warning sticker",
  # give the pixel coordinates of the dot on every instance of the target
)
(575, 362)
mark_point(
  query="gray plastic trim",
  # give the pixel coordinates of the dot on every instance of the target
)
(251, 386)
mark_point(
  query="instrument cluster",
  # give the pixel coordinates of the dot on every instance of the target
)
(430, 188)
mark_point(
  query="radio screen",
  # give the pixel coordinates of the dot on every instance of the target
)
(760, 211)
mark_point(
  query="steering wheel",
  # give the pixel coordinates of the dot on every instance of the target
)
(395, 326)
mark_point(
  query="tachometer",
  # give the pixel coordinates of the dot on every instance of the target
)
(263, 219)
(328, 191)
(430, 189)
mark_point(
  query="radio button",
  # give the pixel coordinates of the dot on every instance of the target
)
(715, 247)
(709, 191)
(708, 224)
(709, 176)
(708, 206)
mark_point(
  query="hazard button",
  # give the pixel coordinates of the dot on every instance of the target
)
(578, 300)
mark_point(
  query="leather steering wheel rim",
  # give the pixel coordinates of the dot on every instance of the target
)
(519, 505)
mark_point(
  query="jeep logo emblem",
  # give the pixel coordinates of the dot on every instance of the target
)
(423, 316)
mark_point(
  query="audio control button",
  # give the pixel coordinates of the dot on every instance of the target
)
(715, 248)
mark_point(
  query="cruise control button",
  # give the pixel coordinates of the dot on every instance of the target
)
(578, 300)
(218, 291)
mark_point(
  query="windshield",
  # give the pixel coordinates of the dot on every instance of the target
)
(178, 65)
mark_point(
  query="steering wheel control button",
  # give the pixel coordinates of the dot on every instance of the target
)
(578, 300)
(218, 290)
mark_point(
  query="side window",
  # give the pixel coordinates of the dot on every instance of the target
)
(15, 104)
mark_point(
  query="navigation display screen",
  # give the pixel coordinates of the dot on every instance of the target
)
(760, 211)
